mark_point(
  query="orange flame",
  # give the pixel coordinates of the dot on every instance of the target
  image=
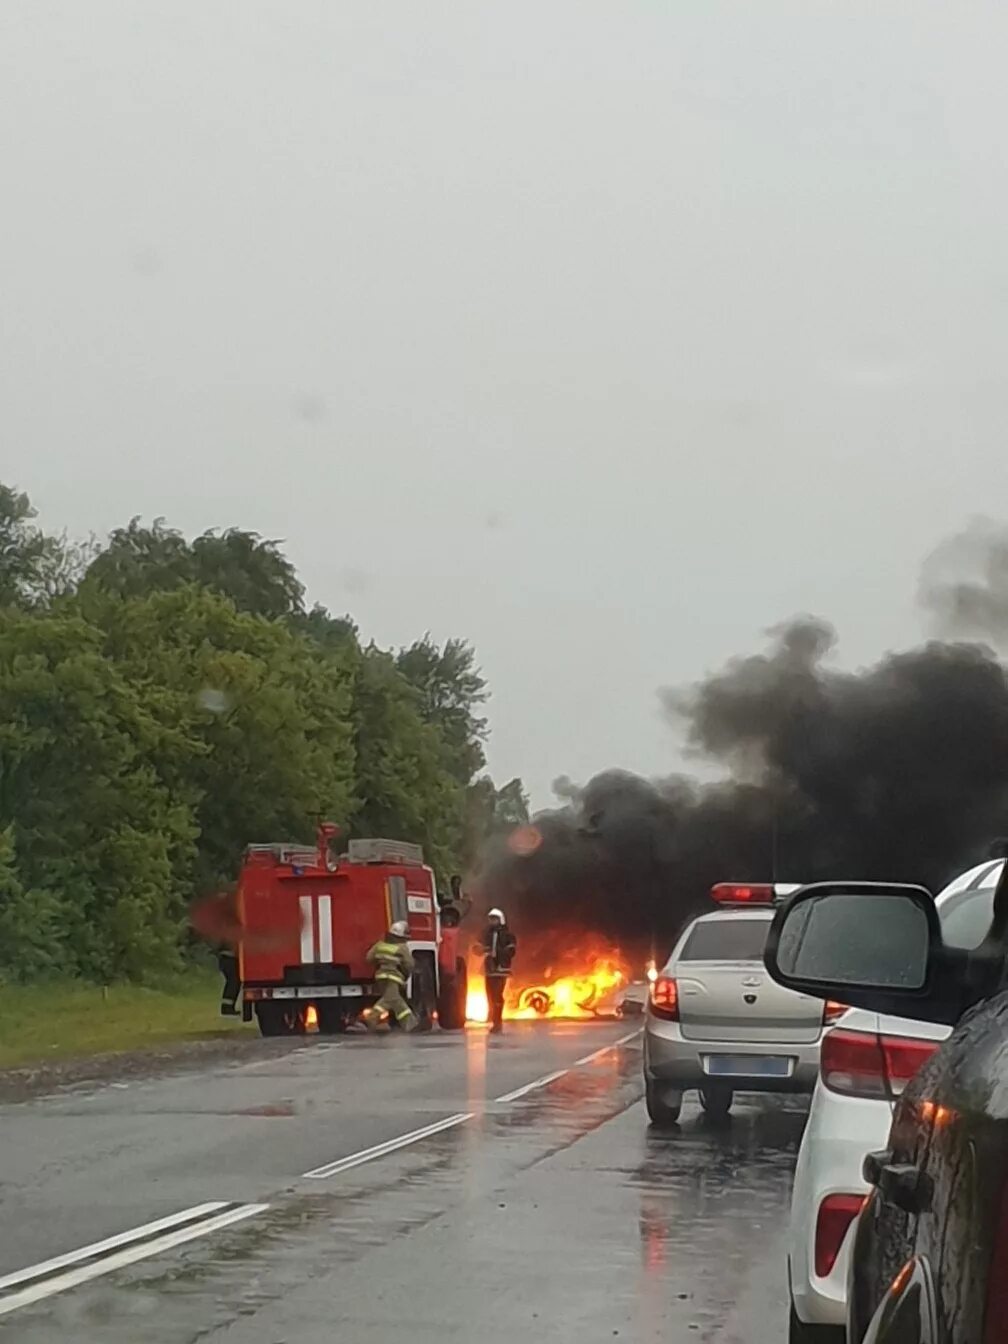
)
(583, 995)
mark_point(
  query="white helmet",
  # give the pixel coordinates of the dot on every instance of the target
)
(400, 927)
(497, 914)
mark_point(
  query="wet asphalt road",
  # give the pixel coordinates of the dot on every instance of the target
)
(553, 1209)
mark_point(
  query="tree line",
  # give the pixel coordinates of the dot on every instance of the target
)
(165, 701)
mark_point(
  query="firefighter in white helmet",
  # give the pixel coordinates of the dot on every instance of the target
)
(497, 947)
(393, 963)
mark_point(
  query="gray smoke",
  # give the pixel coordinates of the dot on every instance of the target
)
(964, 584)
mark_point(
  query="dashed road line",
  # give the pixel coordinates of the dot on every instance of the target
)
(381, 1149)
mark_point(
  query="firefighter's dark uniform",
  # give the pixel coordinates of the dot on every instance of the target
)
(227, 962)
(393, 963)
(498, 944)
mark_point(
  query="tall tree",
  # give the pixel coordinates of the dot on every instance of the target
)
(32, 932)
(511, 806)
(403, 789)
(335, 634)
(178, 702)
(251, 571)
(263, 742)
(95, 827)
(492, 812)
(451, 690)
(31, 562)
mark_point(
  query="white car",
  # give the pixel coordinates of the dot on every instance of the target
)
(850, 1116)
(715, 1022)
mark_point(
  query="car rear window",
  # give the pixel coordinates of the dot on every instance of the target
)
(727, 940)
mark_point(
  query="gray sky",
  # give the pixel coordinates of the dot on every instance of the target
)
(602, 334)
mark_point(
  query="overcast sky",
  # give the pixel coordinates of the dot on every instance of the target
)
(603, 333)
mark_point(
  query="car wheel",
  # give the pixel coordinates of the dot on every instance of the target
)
(800, 1333)
(662, 1110)
(717, 1101)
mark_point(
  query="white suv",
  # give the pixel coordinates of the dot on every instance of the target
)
(866, 1058)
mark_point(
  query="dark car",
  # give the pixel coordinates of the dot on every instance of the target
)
(930, 1257)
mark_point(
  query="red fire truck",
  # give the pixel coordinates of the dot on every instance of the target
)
(309, 918)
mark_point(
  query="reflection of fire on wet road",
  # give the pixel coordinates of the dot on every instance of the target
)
(591, 992)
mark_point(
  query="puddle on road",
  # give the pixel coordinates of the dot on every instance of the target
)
(711, 1191)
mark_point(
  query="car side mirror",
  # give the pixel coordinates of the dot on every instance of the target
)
(865, 944)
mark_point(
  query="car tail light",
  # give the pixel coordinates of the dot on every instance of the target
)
(866, 1064)
(836, 1213)
(833, 1012)
(665, 998)
(743, 893)
(904, 1055)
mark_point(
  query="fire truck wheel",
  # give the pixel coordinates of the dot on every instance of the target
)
(277, 1020)
(332, 1018)
(424, 994)
(452, 1000)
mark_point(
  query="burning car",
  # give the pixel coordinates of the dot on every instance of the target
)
(595, 991)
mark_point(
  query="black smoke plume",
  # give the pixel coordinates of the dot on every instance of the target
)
(898, 772)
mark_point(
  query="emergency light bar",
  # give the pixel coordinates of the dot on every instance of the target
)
(291, 855)
(752, 893)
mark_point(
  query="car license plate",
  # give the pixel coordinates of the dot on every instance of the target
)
(748, 1066)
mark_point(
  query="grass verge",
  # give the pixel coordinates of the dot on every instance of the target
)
(45, 1023)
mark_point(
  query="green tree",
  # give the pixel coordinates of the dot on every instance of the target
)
(403, 789)
(492, 812)
(451, 690)
(32, 933)
(511, 806)
(28, 557)
(240, 565)
(335, 634)
(97, 830)
(165, 702)
(261, 741)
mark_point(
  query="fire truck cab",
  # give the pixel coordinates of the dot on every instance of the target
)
(309, 918)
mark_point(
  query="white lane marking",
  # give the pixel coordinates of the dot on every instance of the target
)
(128, 1255)
(111, 1243)
(415, 1135)
(552, 1077)
(531, 1087)
(325, 928)
(597, 1054)
(307, 930)
(380, 1149)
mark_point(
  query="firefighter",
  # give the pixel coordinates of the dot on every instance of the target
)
(497, 947)
(393, 963)
(227, 963)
